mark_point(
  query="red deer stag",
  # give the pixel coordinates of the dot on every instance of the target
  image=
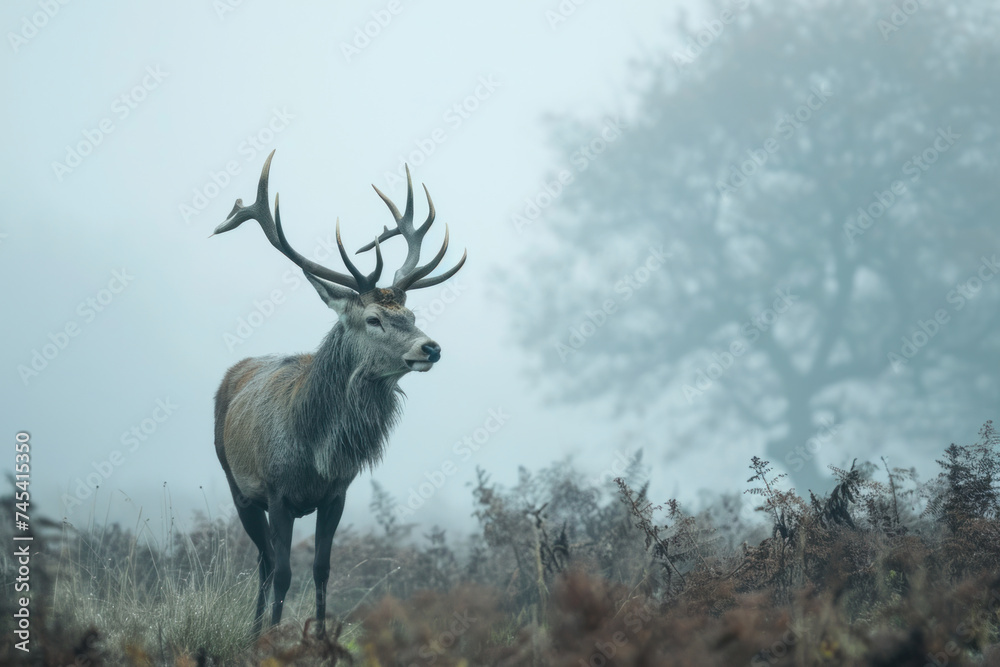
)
(292, 432)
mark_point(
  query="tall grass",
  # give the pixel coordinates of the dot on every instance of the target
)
(884, 570)
(152, 595)
(161, 596)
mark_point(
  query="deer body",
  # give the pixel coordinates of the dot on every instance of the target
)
(293, 432)
(336, 431)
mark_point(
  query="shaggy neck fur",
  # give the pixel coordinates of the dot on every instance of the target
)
(344, 410)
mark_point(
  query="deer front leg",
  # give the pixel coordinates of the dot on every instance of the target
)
(281, 521)
(327, 520)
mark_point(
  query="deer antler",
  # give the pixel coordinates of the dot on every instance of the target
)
(261, 212)
(409, 276)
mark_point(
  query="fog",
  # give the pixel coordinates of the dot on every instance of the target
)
(664, 252)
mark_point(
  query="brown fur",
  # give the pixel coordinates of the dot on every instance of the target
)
(235, 379)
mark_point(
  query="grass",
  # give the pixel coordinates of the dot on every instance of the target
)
(885, 570)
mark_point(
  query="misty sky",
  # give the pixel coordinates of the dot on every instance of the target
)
(105, 256)
(132, 131)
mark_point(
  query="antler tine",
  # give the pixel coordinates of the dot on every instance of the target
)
(358, 276)
(261, 212)
(407, 219)
(404, 222)
(430, 213)
(392, 209)
(422, 271)
(365, 283)
(386, 234)
(306, 264)
(437, 280)
(258, 211)
(406, 274)
(377, 273)
(409, 276)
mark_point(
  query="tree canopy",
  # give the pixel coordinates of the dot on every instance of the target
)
(793, 235)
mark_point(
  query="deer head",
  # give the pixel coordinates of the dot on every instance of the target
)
(375, 318)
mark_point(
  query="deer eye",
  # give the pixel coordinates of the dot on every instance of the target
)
(375, 322)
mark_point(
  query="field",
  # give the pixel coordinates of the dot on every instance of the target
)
(885, 570)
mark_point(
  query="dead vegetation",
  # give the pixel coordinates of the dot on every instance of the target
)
(884, 570)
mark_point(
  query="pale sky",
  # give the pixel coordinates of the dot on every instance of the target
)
(132, 130)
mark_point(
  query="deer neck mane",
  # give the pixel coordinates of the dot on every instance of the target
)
(344, 410)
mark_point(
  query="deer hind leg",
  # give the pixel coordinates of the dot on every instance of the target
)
(281, 541)
(255, 523)
(327, 520)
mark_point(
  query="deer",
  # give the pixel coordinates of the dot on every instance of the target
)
(292, 432)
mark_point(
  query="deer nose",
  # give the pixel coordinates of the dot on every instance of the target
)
(432, 350)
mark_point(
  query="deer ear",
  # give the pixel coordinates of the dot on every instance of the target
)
(339, 299)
